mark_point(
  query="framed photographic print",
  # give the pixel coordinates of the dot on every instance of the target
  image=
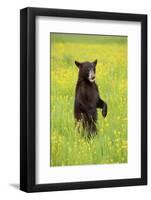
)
(83, 99)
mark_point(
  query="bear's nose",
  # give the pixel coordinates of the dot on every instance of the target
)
(93, 77)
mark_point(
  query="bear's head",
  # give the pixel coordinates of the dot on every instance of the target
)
(87, 70)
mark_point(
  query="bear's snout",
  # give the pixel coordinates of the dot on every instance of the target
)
(91, 76)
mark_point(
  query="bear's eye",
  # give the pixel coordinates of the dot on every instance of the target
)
(88, 69)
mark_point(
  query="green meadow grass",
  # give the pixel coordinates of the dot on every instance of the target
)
(67, 146)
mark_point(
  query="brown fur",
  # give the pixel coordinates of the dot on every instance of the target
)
(87, 98)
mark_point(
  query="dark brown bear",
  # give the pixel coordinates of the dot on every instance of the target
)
(87, 98)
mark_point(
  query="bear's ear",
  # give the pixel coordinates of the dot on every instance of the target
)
(77, 63)
(95, 62)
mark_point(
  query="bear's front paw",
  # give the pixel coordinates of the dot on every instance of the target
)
(104, 111)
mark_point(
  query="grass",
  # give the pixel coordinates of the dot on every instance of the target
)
(68, 147)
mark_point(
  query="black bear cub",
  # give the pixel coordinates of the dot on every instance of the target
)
(87, 98)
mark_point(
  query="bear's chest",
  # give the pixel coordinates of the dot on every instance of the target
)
(89, 93)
